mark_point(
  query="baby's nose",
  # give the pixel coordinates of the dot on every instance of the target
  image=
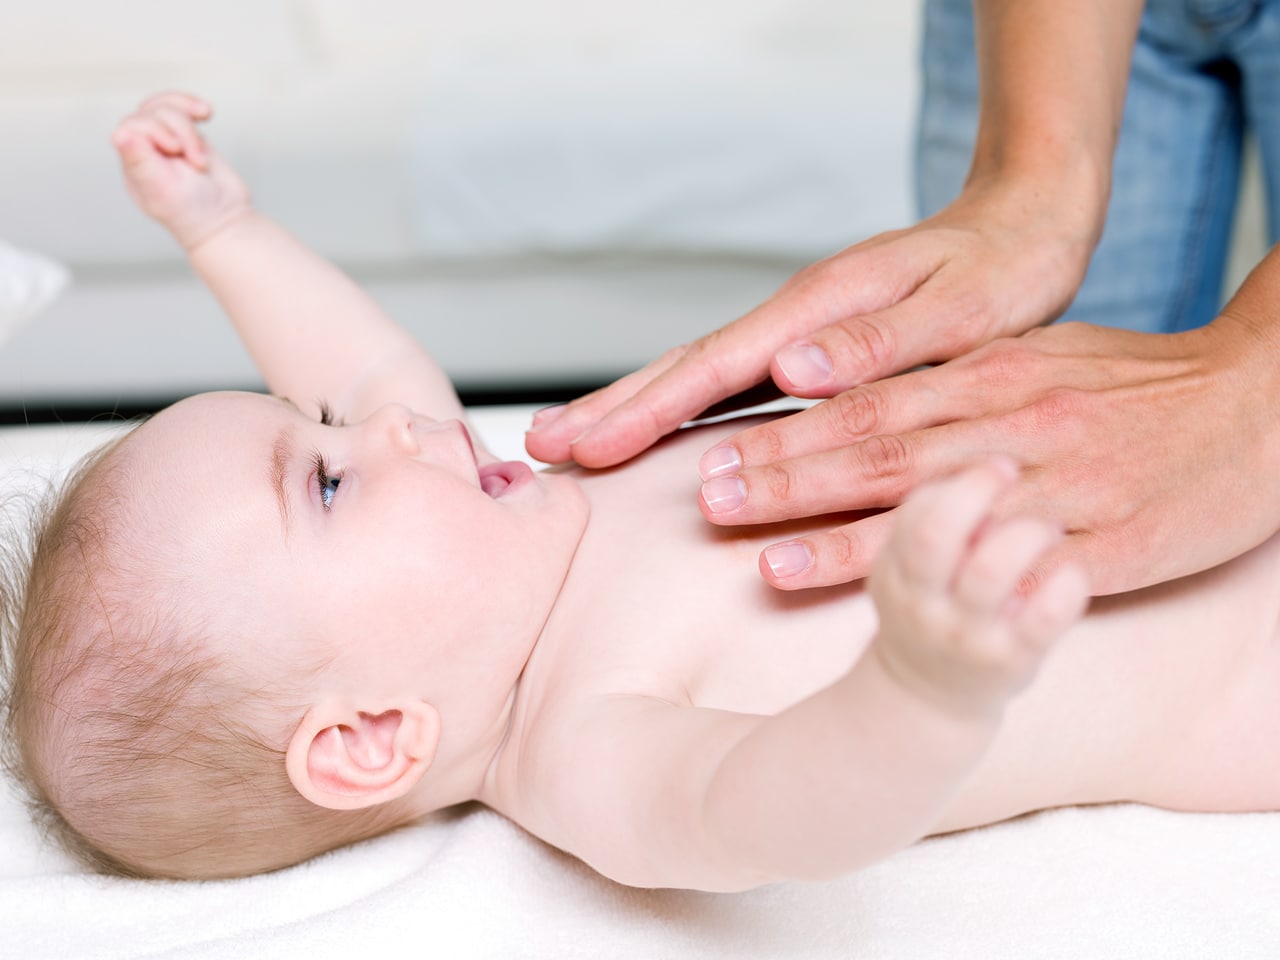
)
(395, 422)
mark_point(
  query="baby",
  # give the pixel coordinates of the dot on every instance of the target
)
(258, 628)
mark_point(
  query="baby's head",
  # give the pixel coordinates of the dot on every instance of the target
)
(247, 637)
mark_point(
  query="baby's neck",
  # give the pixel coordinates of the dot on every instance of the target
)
(473, 740)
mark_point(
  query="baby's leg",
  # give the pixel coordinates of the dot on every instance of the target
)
(954, 627)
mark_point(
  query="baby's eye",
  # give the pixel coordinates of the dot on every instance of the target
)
(327, 483)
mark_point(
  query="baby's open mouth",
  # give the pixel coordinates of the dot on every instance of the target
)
(497, 478)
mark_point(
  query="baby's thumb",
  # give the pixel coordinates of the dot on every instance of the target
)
(132, 147)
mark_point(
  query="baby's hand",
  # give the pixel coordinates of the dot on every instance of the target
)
(173, 174)
(953, 625)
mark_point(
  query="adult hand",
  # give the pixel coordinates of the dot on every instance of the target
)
(1003, 258)
(1157, 453)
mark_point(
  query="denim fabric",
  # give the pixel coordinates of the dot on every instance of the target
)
(1204, 71)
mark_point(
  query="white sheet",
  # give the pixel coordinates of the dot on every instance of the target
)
(1120, 881)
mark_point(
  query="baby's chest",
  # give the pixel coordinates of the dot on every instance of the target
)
(674, 607)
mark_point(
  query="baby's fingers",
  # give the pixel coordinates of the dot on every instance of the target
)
(190, 143)
(167, 123)
(185, 103)
(937, 523)
(1003, 555)
(1056, 603)
(139, 137)
(829, 557)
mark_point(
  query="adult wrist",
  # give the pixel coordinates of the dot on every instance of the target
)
(1244, 343)
(1050, 228)
(1056, 185)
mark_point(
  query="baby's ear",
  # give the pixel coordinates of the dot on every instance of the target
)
(345, 758)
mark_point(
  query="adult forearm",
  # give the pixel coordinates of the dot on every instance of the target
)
(1052, 80)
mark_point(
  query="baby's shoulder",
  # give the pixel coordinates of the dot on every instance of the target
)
(605, 777)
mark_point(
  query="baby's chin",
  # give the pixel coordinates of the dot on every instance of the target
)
(563, 500)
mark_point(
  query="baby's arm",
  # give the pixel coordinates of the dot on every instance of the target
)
(724, 801)
(315, 336)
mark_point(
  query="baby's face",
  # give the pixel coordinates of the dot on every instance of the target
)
(379, 545)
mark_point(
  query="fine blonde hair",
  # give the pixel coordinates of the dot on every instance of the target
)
(140, 751)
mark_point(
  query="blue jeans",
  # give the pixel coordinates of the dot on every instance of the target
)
(1204, 72)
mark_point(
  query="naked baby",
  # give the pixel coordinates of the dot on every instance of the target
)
(260, 627)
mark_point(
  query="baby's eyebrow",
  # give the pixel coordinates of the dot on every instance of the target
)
(281, 451)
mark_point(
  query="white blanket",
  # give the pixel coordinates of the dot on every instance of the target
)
(1119, 881)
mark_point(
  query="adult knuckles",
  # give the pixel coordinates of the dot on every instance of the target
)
(765, 444)
(840, 555)
(1006, 363)
(885, 457)
(718, 377)
(670, 358)
(1057, 408)
(780, 482)
(709, 359)
(820, 273)
(868, 347)
(854, 415)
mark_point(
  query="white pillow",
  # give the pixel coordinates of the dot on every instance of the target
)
(29, 282)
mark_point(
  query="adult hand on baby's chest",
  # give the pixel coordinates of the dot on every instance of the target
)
(1143, 446)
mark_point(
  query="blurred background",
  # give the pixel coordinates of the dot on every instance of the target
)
(547, 192)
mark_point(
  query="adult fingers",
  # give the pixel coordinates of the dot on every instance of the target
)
(899, 405)
(848, 352)
(938, 521)
(931, 320)
(822, 559)
(617, 422)
(626, 417)
(551, 436)
(873, 473)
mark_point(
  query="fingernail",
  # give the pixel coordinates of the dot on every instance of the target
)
(805, 364)
(724, 494)
(547, 416)
(788, 559)
(718, 461)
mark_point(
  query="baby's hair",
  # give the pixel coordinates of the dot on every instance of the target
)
(141, 751)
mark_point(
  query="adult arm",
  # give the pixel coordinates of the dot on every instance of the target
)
(1007, 255)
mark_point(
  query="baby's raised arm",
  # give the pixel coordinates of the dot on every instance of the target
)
(656, 794)
(315, 336)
